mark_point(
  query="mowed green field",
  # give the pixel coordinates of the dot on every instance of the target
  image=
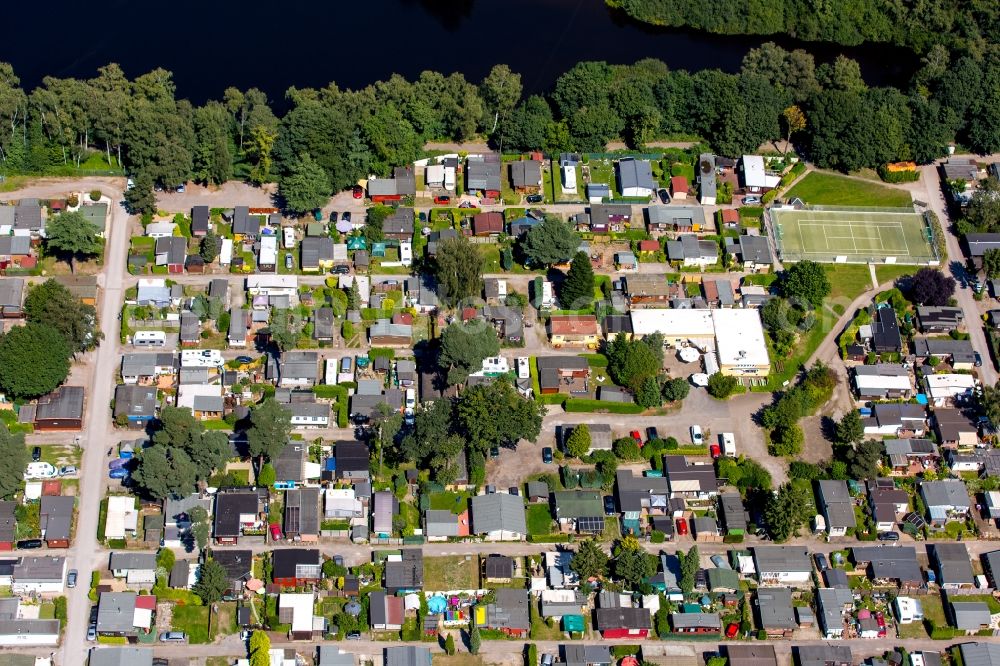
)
(859, 235)
(829, 189)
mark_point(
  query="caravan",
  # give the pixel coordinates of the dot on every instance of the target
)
(149, 339)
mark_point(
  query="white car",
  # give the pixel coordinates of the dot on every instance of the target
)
(288, 237)
(411, 399)
(696, 436)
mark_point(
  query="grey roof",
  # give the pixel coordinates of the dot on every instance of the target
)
(121, 656)
(947, 492)
(482, 172)
(526, 173)
(825, 655)
(706, 175)
(951, 563)
(173, 248)
(180, 573)
(331, 655)
(56, 516)
(237, 325)
(836, 504)
(635, 173)
(66, 402)
(830, 604)
(734, 514)
(116, 612)
(897, 563)
(132, 400)
(407, 574)
(682, 217)
(751, 654)
(755, 249)
(440, 522)
(28, 216)
(619, 618)
(385, 328)
(970, 615)
(774, 608)
(980, 654)
(939, 316)
(300, 365)
(696, 621)
(992, 565)
(316, 249)
(782, 558)
(323, 323)
(15, 245)
(882, 370)
(688, 246)
(11, 292)
(302, 511)
(244, 223)
(677, 470)
(961, 350)
(289, 464)
(575, 654)
(399, 223)
(509, 610)
(498, 511)
(209, 403)
(121, 561)
(407, 655)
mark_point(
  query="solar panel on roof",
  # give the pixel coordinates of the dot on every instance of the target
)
(590, 524)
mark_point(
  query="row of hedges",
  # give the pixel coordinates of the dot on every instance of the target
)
(549, 538)
(601, 406)
(338, 393)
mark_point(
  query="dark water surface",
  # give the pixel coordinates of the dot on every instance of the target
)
(212, 44)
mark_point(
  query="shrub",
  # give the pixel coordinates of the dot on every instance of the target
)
(95, 195)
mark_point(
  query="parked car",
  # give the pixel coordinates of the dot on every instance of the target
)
(820, 561)
(289, 262)
(275, 532)
(494, 452)
(92, 632)
(334, 216)
(715, 451)
(117, 463)
(637, 437)
(651, 434)
(411, 398)
(534, 198)
(346, 216)
(244, 359)
(731, 630)
(751, 199)
(173, 637)
(358, 192)
(29, 544)
(71, 578)
(547, 455)
(118, 473)
(341, 269)
(696, 437)
(66, 470)
(466, 204)
(664, 195)
(354, 636)
(36, 453)
(547, 659)
(181, 188)
(682, 526)
(888, 536)
(720, 561)
(609, 505)
(442, 199)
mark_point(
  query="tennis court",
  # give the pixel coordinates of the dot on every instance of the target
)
(844, 234)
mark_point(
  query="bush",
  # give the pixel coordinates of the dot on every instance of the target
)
(619, 651)
(95, 195)
(722, 386)
(587, 405)
(657, 536)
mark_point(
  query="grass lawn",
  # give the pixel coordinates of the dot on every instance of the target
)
(446, 501)
(539, 519)
(192, 620)
(60, 454)
(848, 281)
(820, 188)
(451, 573)
(47, 612)
(890, 272)
(602, 171)
(460, 659)
(491, 257)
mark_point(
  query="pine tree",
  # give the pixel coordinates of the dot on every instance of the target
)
(475, 640)
(577, 290)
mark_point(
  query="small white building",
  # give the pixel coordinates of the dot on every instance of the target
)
(273, 285)
(122, 517)
(908, 610)
(569, 179)
(947, 386)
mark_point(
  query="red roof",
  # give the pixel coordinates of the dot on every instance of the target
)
(730, 215)
(402, 318)
(52, 488)
(573, 325)
(394, 613)
(679, 184)
(468, 314)
(487, 223)
(648, 246)
(146, 601)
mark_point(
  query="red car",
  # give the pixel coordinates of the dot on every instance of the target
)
(732, 630)
(442, 200)
(637, 437)
(358, 192)
(275, 532)
(715, 451)
(682, 527)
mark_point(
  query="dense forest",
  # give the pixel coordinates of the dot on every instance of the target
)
(919, 25)
(834, 117)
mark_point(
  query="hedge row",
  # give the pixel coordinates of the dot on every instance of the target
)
(601, 406)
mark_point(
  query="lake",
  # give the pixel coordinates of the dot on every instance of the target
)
(212, 44)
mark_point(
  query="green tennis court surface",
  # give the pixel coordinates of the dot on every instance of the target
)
(852, 235)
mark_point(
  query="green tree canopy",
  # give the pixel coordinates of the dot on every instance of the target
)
(550, 242)
(786, 511)
(34, 360)
(929, 286)
(51, 304)
(72, 234)
(850, 429)
(267, 476)
(676, 388)
(577, 290)
(15, 455)
(458, 266)
(212, 582)
(305, 187)
(140, 200)
(210, 246)
(270, 426)
(722, 386)
(463, 348)
(805, 282)
(578, 443)
(590, 561)
(495, 414)
(631, 563)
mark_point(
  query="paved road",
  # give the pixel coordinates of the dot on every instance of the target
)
(930, 192)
